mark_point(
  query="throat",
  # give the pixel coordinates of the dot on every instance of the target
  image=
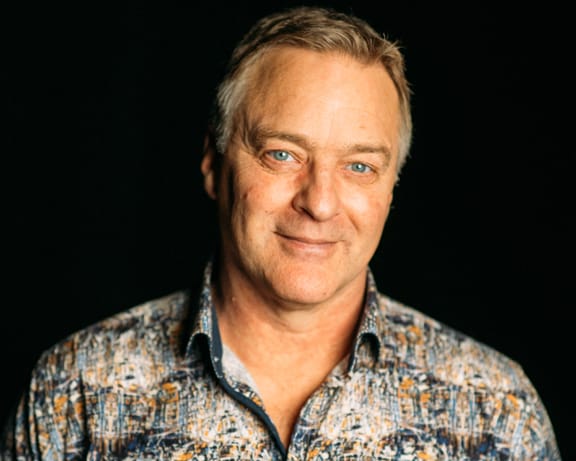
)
(283, 387)
(285, 356)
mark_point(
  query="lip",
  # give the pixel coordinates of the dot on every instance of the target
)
(300, 245)
(307, 240)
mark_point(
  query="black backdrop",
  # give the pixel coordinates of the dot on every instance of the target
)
(103, 200)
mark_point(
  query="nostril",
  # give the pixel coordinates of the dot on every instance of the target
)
(319, 198)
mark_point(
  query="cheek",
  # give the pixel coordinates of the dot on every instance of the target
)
(369, 211)
(252, 197)
(252, 203)
(263, 194)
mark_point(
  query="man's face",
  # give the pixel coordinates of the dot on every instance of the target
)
(305, 186)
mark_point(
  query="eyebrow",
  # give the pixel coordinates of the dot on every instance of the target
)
(257, 136)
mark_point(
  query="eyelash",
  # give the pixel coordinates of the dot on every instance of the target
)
(365, 168)
(287, 156)
(273, 154)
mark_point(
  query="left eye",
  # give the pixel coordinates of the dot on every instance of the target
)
(359, 168)
(280, 155)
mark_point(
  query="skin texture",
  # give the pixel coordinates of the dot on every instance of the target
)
(303, 193)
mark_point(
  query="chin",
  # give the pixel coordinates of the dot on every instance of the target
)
(305, 288)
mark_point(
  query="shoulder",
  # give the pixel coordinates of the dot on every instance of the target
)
(463, 379)
(130, 342)
(444, 352)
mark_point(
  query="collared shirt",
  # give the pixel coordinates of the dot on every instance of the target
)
(155, 383)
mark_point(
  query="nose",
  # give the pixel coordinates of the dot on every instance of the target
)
(318, 194)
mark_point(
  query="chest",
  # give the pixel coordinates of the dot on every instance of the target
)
(353, 417)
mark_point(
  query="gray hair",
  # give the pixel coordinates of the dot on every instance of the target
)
(317, 29)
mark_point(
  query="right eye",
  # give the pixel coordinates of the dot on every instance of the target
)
(280, 155)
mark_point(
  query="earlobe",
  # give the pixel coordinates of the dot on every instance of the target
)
(207, 167)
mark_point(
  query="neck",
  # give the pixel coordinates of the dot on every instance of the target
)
(261, 330)
(289, 349)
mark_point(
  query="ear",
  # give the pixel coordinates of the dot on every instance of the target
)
(208, 166)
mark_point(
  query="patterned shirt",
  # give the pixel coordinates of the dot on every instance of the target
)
(154, 382)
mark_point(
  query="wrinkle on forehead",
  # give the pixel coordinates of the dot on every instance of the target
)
(257, 135)
(326, 90)
(347, 104)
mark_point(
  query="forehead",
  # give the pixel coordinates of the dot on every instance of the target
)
(323, 96)
(283, 65)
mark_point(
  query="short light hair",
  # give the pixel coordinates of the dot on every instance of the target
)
(317, 29)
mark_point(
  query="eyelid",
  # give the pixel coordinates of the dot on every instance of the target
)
(271, 152)
(368, 168)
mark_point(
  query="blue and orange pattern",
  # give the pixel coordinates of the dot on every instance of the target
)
(148, 384)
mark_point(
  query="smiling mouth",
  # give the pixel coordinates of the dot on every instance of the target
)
(302, 245)
(307, 240)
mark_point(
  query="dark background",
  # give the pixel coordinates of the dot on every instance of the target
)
(104, 209)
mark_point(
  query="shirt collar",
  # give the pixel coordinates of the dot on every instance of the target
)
(367, 344)
(205, 323)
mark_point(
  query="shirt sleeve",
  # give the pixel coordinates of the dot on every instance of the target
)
(534, 437)
(49, 420)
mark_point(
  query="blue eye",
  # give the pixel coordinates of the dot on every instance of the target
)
(360, 168)
(280, 155)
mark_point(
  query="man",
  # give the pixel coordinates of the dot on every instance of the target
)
(288, 351)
